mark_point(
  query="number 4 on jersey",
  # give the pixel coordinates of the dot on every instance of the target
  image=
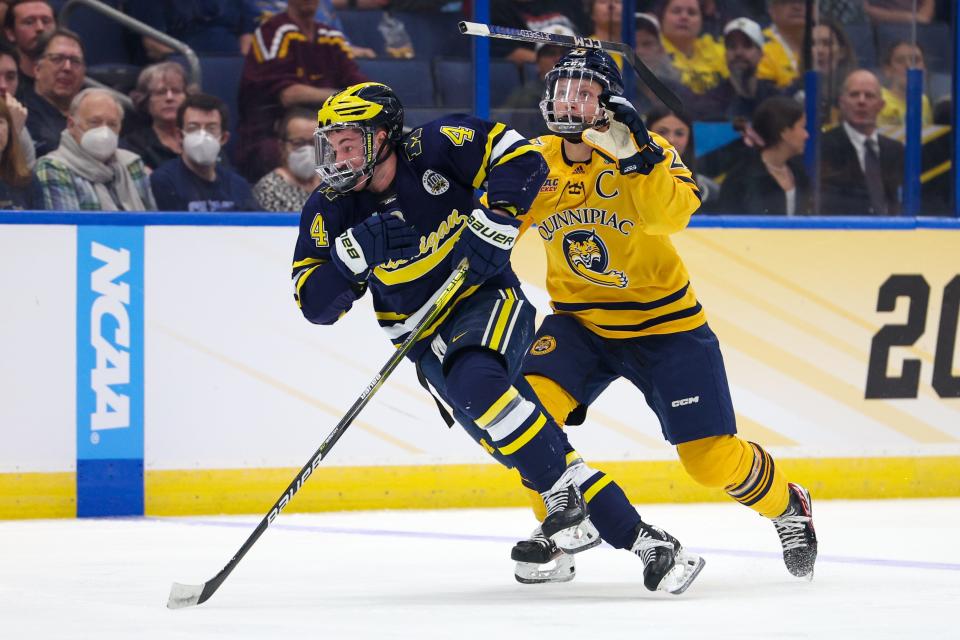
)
(457, 135)
(317, 231)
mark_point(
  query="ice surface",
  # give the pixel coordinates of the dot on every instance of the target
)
(888, 569)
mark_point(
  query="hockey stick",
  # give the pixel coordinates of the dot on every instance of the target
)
(188, 595)
(656, 85)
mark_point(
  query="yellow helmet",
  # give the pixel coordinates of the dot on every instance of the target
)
(364, 107)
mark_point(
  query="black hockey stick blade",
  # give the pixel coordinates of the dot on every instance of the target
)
(662, 91)
(189, 595)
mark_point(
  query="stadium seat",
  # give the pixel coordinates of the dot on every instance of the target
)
(435, 34)
(105, 45)
(862, 39)
(410, 79)
(220, 76)
(360, 28)
(415, 117)
(454, 80)
(940, 85)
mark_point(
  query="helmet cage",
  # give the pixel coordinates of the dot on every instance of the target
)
(344, 175)
(582, 111)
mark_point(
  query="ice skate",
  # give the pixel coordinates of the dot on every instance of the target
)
(797, 535)
(567, 523)
(666, 566)
(539, 560)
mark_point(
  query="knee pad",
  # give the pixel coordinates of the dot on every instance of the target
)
(716, 461)
(554, 398)
(475, 380)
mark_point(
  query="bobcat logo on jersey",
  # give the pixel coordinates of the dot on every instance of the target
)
(587, 255)
(435, 183)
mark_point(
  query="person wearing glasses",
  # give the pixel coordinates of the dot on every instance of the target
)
(287, 187)
(196, 181)
(60, 70)
(161, 89)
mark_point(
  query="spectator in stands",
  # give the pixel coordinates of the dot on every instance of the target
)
(536, 15)
(861, 171)
(834, 58)
(194, 181)
(678, 130)
(607, 16)
(17, 185)
(288, 186)
(206, 26)
(61, 70)
(161, 89)
(294, 60)
(782, 52)
(902, 55)
(24, 23)
(9, 80)
(697, 56)
(326, 14)
(87, 171)
(649, 46)
(771, 180)
(739, 94)
(529, 95)
(881, 11)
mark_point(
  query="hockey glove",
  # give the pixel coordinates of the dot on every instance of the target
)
(486, 242)
(626, 139)
(378, 239)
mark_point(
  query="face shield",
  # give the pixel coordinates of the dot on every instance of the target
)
(571, 103)
(345, 155)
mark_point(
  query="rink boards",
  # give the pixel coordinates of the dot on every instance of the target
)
(162, 367)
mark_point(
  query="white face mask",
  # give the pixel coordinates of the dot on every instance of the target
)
(100, 142)
(302, 163)
(201, 147)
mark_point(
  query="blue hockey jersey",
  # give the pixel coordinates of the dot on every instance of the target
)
(440, 167)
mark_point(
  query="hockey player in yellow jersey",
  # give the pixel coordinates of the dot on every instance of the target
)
(623, 305)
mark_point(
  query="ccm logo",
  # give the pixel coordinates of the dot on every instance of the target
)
(685, 401)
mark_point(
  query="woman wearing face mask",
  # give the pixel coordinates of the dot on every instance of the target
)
(161, 89)
(288, 186)
(17, 186)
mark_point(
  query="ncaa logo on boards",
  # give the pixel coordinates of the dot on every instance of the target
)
(543, 346)
(589, 258)
(434, 183)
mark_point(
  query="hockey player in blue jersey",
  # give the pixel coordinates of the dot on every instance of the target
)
(393, 216)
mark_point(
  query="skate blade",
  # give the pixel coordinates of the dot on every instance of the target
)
(563, 570)
(683, 573)
(576, 539)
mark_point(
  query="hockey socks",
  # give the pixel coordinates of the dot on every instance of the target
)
(743, 469)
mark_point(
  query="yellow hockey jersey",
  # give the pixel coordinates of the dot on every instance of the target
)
(610, 262)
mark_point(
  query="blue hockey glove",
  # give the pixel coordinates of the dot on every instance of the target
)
(486, 242)
(378, 239)
(626, 139)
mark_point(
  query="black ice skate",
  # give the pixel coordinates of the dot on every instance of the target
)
(666, 566)
(567, 523)
(539, 560)
(797, 536)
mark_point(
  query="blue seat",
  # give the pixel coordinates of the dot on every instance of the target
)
(454, 80)
(410, 79)
(220, 77)
(360, 28)
(416, 117)
(435, 34)
(862, 39)
(104, 40)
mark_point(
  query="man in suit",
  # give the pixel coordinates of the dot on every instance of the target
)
(861, 171)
